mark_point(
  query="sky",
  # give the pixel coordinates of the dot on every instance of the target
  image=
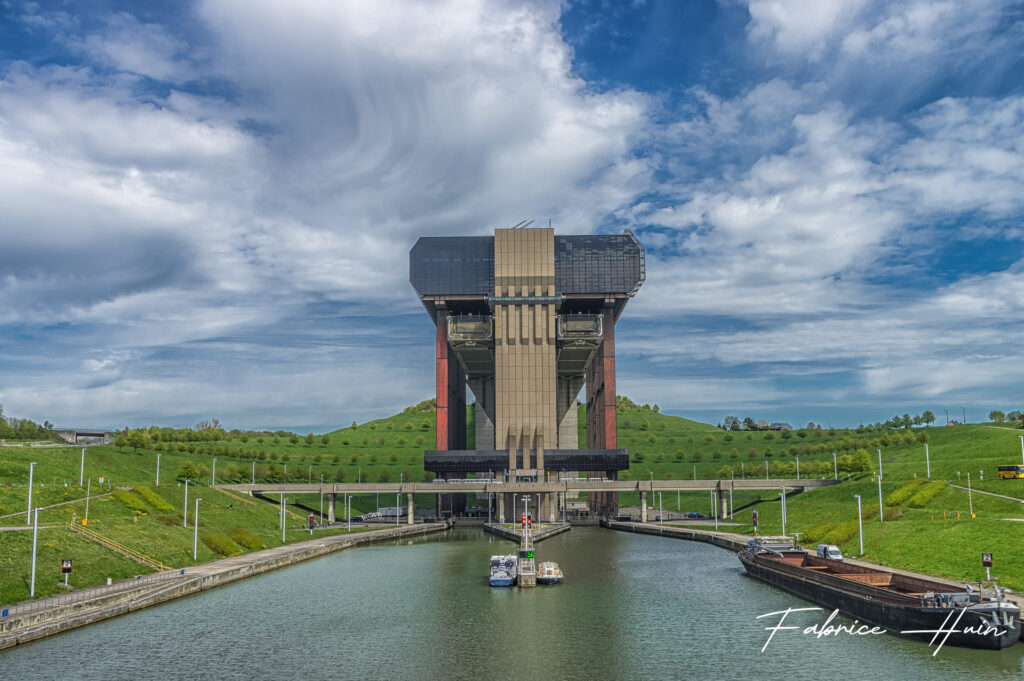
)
(206, 207)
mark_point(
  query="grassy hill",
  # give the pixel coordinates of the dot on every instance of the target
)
(391, 448)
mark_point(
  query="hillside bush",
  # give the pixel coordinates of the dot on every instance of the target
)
(246, 539)
(153, 499)
(900, 495)
(926, 494)
(133, 502)
(220, 544)
(814, 533)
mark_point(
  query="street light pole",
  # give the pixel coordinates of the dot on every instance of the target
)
(158, 469)
(798, 468)
(184, 521)
(1022, 449)
(881, 511)
(81, 471)
(860, 525)
(254, 472)
(965, 415)
(879, 463)
(928, 463)
(35, 538)
(28, 511)
(284, 502)
(195, 533)
(835, 465)
(661, 511)
(213, 476)
(782, 496)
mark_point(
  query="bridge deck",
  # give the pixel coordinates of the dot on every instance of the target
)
(471, 486)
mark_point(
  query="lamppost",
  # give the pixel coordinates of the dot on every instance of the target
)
(28, 511)
(81, 471)
(835, 465)
(965, 415)
(928, 463)
(782, 496)
(284, 503)
(195, 534)
(254, 472)
(661, 511)
(879, 463)
(184, 520)
(398, 507)
(35, 536)
(860, 525)
(213, 475)
(348, 513)
(158, 469)
(881, 511)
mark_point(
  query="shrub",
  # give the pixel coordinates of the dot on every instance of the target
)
(638, 457)
(926, 494)
(814, 533)
(169, 520)
(900, 495)
(153, 499)
(246, 539)
(133, 502)
(220, 544)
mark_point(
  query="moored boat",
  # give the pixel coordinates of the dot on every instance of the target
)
(503, 570)
(548, 572)
(912, 607)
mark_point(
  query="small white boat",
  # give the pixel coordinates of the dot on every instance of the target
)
(548, 572)
(503, 570)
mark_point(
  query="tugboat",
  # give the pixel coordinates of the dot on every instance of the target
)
(912, 607)
(549, 573)
(503, 570)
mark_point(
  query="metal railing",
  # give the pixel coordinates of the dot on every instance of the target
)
(88, 594)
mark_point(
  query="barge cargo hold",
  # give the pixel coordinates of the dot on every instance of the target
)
(912, 607)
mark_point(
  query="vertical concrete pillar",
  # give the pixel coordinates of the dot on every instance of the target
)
(331, 499)
(551, 507)
(643, 507)
(411, 515)
(501, 507)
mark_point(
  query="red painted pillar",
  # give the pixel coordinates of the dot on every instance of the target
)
(608, 412)
(442, 360)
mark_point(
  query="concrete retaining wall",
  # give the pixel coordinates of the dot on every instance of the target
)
(732, 542)
(537, 536)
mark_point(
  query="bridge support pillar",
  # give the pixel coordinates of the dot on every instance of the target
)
(643, 507)
(411, 514)
(331, 499)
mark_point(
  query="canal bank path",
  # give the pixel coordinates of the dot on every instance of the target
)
(37, 619)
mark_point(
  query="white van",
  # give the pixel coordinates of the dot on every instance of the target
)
(829, 551)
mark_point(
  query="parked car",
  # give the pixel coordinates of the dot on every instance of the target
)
(696, 515)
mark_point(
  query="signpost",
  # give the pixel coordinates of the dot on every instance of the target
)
(755, 520)
(65, 567)
(986, 562)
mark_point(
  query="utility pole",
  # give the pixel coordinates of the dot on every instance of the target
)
(81, 471)
(184, 520)
(928, 464)
(28, 512)
(158, 469)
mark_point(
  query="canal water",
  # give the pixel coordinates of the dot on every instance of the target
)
(632, 607)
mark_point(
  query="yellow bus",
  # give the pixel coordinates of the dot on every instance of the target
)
(1009, 472)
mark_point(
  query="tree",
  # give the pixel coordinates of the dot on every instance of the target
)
(996, 416)
(325, 439)
(749, 424)
(928, 417)
(136, 439)
(426, 424)
(385, 475)
(188, 471)
(339, 476)
(121, 442)
(293, 438)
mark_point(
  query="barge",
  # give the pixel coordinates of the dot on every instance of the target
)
(912, 607)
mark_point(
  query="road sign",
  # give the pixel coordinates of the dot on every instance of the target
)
(755, 518)
(65, 565)
(101, 479)
(986, 560)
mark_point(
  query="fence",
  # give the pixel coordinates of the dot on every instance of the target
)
(91, 593)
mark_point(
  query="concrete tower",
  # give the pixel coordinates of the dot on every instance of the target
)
(526, 319)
